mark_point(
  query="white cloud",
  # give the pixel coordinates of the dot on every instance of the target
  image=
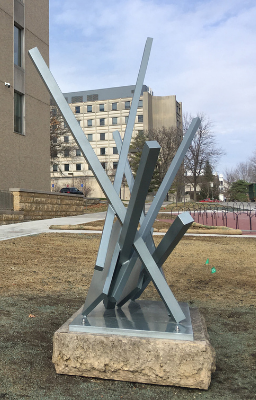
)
(203, 51)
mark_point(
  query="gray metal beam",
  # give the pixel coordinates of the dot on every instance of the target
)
(124, 152)
(78, 133)
(140, 190)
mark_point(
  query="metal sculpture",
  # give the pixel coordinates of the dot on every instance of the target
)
(127, 259)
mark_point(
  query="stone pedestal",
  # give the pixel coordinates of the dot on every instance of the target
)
(145, 359)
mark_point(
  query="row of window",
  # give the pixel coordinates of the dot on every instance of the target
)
(55, 167)
(78, 152)
(127, 106)
(114, 121)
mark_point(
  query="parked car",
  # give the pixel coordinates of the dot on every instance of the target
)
(209, 201)
(71, 190)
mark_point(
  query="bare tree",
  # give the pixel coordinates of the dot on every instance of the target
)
(244, 171)
(169, 139)
(202, 149)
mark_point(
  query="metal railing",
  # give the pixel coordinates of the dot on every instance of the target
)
(6, 200)
(236, 215)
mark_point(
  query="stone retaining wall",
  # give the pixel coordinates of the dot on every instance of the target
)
(42, 205)
(10, 217)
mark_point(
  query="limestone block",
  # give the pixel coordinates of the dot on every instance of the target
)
(137, 359)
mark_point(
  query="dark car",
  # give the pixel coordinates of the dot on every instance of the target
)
(71, 190)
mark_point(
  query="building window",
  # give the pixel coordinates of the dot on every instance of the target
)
(102, 136)
(77, 109)
(79, 121)
(78, 167)
(127, 105)
(126, 119)
(102, 121)
(66, 139)
(103, 165)
(102, 151)
(54, 139)
(140, 103)
(114, 121)
(115, 150)
(114, 106)
(78, 152)
(17, 46)
(101, 108)
(55, 167)
(66, 153)
(90, 137)
(18, 114)
(115, 163)
(140, 118)
(66, 167)
(89, 108)
(89, 122)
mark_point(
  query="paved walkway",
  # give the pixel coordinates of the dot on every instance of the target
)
(42, 226)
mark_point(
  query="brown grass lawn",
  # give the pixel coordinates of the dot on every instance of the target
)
(44, 280)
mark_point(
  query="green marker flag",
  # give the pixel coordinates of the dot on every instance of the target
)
(207, 261)
(213, 270)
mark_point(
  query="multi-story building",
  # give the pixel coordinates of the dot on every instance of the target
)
(100, 113)
(24, 101)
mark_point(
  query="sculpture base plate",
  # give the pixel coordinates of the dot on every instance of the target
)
(135, 358)
(140, 318)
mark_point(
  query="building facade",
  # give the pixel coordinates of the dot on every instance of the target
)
(24, 101)
(100, 113)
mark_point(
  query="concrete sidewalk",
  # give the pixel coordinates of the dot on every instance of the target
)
(42, 226)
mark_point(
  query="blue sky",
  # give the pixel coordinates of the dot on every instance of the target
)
(204, 52)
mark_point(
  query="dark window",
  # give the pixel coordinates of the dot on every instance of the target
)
(90, 137)
(114, 121)
(66, 139)
(140, 103)
(77, 99)
(54, 153)
(103, 165)
(77, 110)
(102, 136)
(115, 163)
(55, 167)
(126, 119)
(101, 107)
(102, 121)
(89, 122)
(92, 97)
(18, 112)
(127, 105)
(114, 106)
(17, 46)
(102, 151)
(66, 153)
(140, 118)
(78, 167)
(78, 152)
(66, 167)
(89, 108)
(54, 139)
(79, 121)
(115, 150)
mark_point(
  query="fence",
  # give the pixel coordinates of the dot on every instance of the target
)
(237, 215)
(6, 201)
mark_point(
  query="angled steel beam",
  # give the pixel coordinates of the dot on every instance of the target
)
(143, 178)
(78, 133)
(158, 201)
(169, 178)
(124, 153)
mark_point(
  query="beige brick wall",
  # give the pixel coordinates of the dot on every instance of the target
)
(43, 205)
